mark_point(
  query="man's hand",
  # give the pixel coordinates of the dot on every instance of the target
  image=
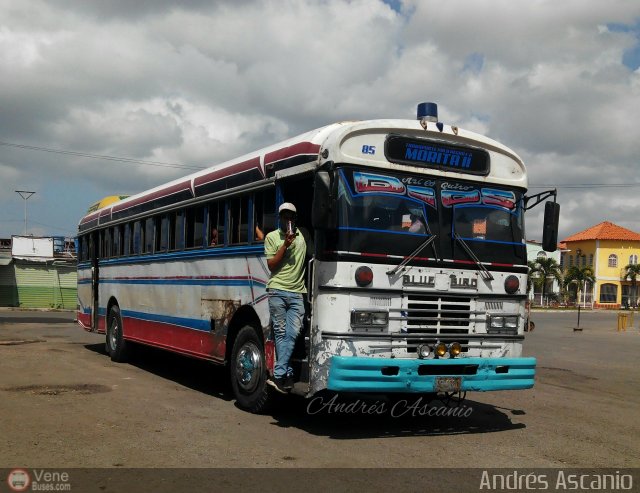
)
(289, 239)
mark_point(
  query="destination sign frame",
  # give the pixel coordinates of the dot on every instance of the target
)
(437, 155)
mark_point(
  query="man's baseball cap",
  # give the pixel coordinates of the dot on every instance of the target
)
(287, 206)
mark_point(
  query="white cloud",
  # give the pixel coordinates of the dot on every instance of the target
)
(197, 83)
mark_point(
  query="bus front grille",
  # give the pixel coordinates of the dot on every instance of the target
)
(433, 315)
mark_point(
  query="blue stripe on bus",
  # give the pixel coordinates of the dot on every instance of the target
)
(185, 282)
(180, 281)
(186, 255)
(189, 323)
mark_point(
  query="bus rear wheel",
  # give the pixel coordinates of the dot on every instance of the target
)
(248, 372)
(117, 347)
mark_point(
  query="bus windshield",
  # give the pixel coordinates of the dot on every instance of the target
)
(381, 213)
(487, 223)
(386, 214)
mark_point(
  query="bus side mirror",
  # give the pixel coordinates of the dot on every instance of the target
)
(322, 214)
(550, 227)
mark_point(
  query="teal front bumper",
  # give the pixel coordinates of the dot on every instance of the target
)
(359, 374)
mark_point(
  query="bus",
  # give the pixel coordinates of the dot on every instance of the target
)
(416, 275)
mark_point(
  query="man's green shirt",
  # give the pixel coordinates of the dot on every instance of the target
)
(289, 276)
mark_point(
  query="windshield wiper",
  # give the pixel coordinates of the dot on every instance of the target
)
(486, 275)
(413, 254)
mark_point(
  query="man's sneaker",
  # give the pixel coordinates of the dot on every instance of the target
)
(278, 385)
(289, 381)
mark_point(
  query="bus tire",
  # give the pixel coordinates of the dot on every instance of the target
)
(248, 371)
(117, 347)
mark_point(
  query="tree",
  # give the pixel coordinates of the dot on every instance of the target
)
(546, 268)
(631, 272)
(581, 276)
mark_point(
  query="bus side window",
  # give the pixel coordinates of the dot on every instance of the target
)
(239, 220)
(194, 227)
(127, 240)
(106, 246)
(264, 218)
(178, 230)
(100, 242)
(172, 231)
(84, 249)
(198, 228)
(116, 247)
(138, 238)
(162, 234)
(215, 228)
(109, 242)
(148, 235)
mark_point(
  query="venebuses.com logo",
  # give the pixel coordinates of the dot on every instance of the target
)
(38, 480)
(18, 480)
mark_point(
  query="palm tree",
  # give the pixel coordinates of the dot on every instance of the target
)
(631, 272)
(546, 268)
(531, 280)
(581, 276)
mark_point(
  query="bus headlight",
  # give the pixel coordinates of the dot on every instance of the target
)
(362, 318)
(503, 324)
(424, 351)
(511, 323)
(441, 350)
(455, 349)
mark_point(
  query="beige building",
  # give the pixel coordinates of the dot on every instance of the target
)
(607, 248)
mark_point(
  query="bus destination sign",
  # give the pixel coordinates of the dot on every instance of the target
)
(444, 157)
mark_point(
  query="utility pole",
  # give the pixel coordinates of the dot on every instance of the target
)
(25, 194)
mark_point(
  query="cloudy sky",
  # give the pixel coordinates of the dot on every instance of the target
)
(195, 82)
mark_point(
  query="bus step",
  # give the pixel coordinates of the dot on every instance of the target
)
(300, 388)
(302, 367)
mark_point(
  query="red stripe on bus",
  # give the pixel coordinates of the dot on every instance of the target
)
(228, 171)
(197, 343)
(84, 319)
(86, 219)
(381, 255)
(179, 187)
(293, 150)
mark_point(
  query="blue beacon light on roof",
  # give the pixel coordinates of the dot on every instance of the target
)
(428, 112)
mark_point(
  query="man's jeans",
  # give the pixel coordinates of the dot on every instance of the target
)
(287, 313)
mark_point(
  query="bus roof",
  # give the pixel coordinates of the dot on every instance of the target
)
(338, 142)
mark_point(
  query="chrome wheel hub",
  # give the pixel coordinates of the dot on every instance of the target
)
(248, 367)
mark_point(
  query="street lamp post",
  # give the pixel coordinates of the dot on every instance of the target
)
(25, 194)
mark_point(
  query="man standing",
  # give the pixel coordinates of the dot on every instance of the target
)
(285, 249)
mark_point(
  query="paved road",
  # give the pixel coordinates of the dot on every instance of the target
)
(63, 403)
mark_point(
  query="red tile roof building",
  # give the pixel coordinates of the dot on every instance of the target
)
(605, 231)
(607, 248)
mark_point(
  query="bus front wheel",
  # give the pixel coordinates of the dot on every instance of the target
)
(248, 371)
(117, 347)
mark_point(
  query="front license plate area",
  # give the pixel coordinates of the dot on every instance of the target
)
(448, 384)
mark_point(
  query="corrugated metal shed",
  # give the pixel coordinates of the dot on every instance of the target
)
(38, 272)
(45, 285)
(8, 286)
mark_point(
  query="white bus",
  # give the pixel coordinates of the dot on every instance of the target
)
(416, 277)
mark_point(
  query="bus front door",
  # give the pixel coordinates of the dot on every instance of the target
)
(93, 253)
